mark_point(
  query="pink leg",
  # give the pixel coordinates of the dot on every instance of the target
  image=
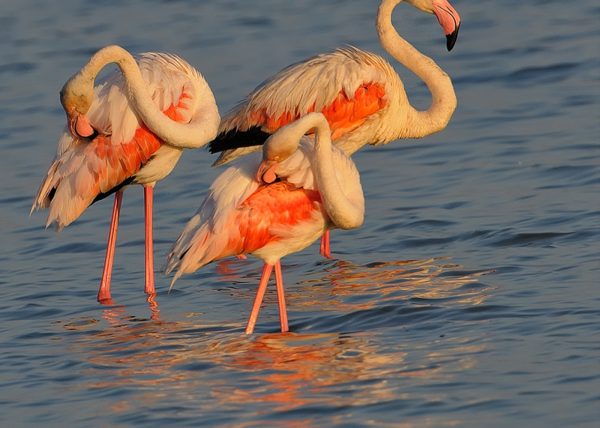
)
(104, 291)
(325, 248)
(281, 298)
(260, 294)
(148, 193)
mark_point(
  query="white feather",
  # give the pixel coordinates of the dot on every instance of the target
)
(77, 169)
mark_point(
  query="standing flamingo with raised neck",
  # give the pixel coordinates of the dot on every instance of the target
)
(275, 207)
(360, 94)
(130, 128)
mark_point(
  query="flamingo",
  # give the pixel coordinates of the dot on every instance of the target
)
(275, 207)
(359, 93)
(130, 128)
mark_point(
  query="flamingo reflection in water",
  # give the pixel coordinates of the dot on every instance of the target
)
(345, 287)
(191, 363)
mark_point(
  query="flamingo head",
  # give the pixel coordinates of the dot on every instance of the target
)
(278, 147)
(273, 155)
(446, 15)
(284, 143)
(76, 98)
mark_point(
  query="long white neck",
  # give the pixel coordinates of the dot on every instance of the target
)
(342, 212)
(436, 117)
(201, 129)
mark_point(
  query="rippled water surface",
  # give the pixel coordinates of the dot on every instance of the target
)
(469, 297)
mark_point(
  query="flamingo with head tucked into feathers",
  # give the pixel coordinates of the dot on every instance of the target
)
(275, 207)
(130, 128)
(359, 93)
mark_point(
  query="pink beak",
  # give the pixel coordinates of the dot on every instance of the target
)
(449, 19)
(80, 126)
(266, 172)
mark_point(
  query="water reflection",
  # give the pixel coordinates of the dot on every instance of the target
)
(295, 370)
(151, 361)
(339, 288)
(346, 286)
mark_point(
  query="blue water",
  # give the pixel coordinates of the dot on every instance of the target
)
(469, 297)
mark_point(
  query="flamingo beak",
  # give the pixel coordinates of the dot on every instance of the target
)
(449, 20)
(451, 38)
(76, 106)
(266, 172)
(80, 126)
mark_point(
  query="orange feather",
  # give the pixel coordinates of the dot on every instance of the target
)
(343, 114)
(277, 204)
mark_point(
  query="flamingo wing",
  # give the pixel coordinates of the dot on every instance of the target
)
(225, 195)
(262, 217)
(85, 170)
(347, 85)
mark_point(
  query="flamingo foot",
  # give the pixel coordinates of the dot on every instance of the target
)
(106, 301)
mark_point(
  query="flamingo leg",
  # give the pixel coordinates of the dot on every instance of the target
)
(148, 197)
(260, 294)
(281, 298)
(325, 248)
(104, 290)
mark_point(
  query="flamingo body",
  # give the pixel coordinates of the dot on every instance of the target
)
(275, 220)
(354, 89)
(130, 128)
(244, 214)
(359, 93)
(123, 150)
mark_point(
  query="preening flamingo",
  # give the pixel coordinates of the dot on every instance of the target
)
(359, 93)
(130, 128)
(275, 207)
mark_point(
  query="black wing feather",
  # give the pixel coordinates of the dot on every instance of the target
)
(234, 139)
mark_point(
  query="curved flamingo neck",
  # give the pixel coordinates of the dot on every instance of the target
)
(342, 211)
(436, 117)
(199, 131)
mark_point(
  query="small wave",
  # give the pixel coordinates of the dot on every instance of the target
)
(543, 74)
(525, 239)
(17, 67)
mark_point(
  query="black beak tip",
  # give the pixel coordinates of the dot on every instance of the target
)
(451, 38)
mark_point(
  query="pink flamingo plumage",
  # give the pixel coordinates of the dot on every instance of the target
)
(275, 207)
(359, 93)
(130, 128)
